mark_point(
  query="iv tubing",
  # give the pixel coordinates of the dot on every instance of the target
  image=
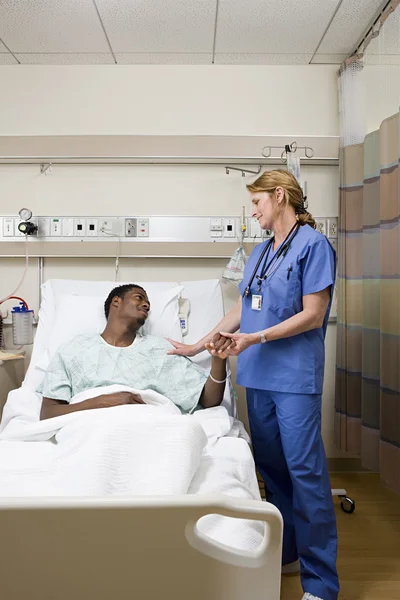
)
(23, 276)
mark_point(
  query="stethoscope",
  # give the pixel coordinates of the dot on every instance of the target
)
(274, 262)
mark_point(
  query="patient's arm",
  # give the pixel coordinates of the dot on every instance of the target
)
(55, 408)
(230, 322)
(213, 392)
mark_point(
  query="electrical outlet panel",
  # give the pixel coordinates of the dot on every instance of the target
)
(109, 227)
(130, 227)
(68, 227)
(8, 227)
(143, 228)
(253, 229)
(332, 227)
(321, 226)
(55, 227)
(80, 227)
(43, 227)
(216, 228)
(91, 227)
(229, 228)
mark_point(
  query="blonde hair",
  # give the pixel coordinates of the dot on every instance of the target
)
(270, 180)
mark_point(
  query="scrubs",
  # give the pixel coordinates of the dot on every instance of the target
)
(284, 380)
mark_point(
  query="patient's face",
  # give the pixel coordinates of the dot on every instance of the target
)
(136, 306)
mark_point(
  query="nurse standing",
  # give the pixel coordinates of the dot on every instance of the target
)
(283, 313)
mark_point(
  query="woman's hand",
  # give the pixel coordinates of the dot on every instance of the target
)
(218, 345)
(235, 343)
(182, 349)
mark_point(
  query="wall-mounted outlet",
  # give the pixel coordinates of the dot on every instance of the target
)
(8, 227)
(68, 227)
(216, 228)
(332, 227)
(143, 228)
(229, 228)
(55, 227)
(79, 227)
(130, 227)
(321, 226)
(254, 229)
(109, 227)
(43, 227)
(91, 227)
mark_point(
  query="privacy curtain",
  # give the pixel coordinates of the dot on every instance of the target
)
(368, 324)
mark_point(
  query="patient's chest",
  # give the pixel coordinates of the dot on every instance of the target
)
(102, 365)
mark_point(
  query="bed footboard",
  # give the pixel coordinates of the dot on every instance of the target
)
(142, 548)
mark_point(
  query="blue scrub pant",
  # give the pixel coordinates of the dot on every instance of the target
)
(290, 457)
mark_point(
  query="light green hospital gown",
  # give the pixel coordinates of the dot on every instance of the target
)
(88, 361)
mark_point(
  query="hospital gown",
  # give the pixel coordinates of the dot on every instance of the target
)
(88, 361)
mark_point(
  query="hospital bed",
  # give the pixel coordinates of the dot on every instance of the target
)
(123, 547)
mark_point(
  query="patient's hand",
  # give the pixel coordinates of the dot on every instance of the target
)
(117, 399)
(219, 344)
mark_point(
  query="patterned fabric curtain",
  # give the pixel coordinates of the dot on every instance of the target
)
(368, 349)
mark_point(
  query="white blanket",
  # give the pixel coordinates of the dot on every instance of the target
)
(149, 449)
(132, 449)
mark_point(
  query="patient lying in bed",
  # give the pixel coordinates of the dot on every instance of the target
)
(120, 355)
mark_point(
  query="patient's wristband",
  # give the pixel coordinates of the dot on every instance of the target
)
(217, 380)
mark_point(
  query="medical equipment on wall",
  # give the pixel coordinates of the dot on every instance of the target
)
(26, 226)
(22, 325)
(22, 328)
(234, 270)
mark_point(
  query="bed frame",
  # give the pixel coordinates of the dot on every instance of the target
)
(143, 548)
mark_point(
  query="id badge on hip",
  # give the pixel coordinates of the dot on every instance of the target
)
(256, 302)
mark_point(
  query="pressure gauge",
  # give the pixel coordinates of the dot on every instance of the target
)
(25, 214)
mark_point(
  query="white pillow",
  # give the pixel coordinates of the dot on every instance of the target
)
(206, 307)
(85, 314)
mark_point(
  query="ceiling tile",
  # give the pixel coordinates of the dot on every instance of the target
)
(7, 59)
(152, 26)
(328, 59)
(262, 59)
(66, 59)
(273, 27)
(350, 22)
(51, 26)
(163, 59)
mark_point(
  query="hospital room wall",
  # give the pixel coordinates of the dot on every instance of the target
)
(159, 100)
(188, 190)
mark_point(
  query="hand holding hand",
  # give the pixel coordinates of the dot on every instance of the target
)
(219, 344)
(235, 343)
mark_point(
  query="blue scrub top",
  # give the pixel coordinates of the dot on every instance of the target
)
(294, 364)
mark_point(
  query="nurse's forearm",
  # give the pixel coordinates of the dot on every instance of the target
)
(230, 323)
(300, 323)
